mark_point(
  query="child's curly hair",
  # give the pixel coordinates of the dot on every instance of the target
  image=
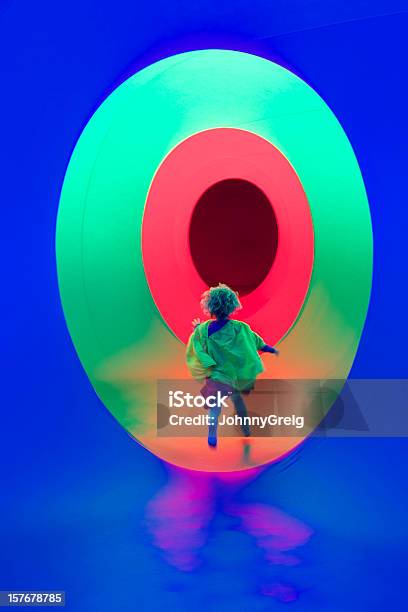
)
(220, 301)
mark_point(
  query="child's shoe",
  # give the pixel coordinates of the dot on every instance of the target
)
(212, 441)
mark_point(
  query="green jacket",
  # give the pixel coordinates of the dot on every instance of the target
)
(229, 355)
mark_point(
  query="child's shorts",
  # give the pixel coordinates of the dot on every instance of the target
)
(212, 386)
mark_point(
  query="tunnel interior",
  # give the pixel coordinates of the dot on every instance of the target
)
(233, 235)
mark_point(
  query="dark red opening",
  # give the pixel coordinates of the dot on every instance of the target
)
(233, 235)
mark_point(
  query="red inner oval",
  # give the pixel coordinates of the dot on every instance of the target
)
(174, 246)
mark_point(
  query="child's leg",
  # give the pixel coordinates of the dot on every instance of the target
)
(211, 387)
(241, 410)
(212, 428)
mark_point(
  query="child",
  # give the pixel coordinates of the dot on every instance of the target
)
(224, 352)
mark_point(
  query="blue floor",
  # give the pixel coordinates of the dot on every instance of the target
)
(326, 530)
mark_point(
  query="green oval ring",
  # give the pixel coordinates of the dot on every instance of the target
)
(106, 300)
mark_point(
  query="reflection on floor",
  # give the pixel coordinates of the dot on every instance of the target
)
(180, 515)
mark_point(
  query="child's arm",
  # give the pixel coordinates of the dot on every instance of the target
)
(260, 344)
(269, 349)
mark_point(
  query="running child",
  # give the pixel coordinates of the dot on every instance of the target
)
(224, 352)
